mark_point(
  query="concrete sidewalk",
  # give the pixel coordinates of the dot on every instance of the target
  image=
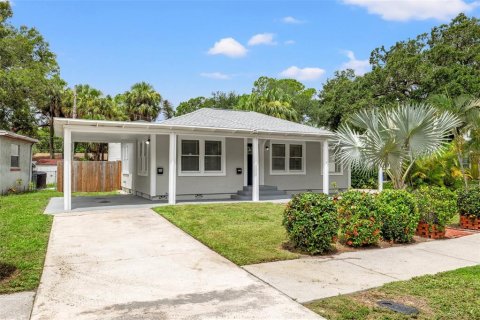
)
(134, 264)
(314, 278)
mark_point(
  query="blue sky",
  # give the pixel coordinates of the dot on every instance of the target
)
(177, 46)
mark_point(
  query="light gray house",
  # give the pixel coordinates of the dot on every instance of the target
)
(15, 161)
(214, 154)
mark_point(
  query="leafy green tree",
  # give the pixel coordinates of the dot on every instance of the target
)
(468, 111)
(444, 61)
(340, 97)
(273, 102)
(143, 102)
(394, 139)
(27, 67)
(218, 100)
(300, 99)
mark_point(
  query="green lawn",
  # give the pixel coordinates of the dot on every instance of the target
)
(453, 295)
(245, 233)
(24, 232)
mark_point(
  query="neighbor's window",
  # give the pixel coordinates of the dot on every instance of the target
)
(213, 155)
(190, 155)
(15, 156)
(287, 158)
(296, 157)
(142, 157)
(278, 157)
(334, 164)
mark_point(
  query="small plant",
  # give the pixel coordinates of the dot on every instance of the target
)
(311, 222)
(468, 202)
(358, 216)
(399, 215)
(436, 206)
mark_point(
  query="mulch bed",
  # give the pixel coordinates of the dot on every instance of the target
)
(452, 233)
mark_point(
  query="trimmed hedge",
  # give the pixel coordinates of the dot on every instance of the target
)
(311, 221)
(436, 205)
(359, 220)
(399, 215)
(468, 202)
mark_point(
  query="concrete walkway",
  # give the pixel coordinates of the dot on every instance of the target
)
(133, 264)
(16, 306)
(321, 277)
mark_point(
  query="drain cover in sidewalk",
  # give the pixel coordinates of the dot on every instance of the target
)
(398, 307)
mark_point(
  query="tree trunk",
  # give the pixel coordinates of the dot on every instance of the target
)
(462, 169)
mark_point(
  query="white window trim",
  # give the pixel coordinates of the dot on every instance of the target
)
(17, 147)
(201, 172)
(140, 172)
(287, 170)
(330, 152)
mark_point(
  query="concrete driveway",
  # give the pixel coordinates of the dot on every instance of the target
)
(133, 264)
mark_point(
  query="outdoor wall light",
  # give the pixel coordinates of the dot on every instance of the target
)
(148, 141)
(267, 148)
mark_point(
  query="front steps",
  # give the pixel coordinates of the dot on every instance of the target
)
(266, 193)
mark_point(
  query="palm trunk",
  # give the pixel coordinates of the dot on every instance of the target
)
(462, 169)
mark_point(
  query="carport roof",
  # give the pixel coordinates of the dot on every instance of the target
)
(209, 120)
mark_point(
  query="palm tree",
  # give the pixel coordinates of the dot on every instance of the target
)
(274, 102)
(394, 139)
(468, 111)
(167, 109)
(143, 102)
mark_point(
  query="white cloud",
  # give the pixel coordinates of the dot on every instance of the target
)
(302, 74)
(289, 42)
(229, 47)
(262, 38)
(215, 75)
(359, 66)
(292, 20)
(403, 10)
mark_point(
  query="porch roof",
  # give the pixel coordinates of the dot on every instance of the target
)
(206, 120)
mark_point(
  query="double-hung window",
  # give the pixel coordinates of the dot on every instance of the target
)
(202, 156)
(142, 157)
(15, 156)
(287, 158)
(190, 159)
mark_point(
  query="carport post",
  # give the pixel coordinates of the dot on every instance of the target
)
(67, 169)
(172, 169)
(325, 170)
(153, 165)
(256, 171)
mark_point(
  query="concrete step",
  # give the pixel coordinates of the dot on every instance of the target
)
(261, 187)
(272, 197)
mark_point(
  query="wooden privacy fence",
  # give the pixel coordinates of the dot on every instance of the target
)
(92, 176)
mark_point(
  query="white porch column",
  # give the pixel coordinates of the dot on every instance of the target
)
(326, 178)
(153, 165)
(380, 178)
(67, 169)
(172, 169)
(256, 171)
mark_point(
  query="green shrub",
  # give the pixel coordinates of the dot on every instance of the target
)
(358, 216)
(311, 221)
(399, 215)
(436, 205)
(468, 202)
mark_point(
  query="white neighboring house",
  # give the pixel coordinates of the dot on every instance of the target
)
(123, 152)
(214, 154)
